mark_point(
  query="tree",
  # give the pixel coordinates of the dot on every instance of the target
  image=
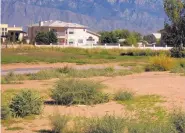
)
(174, 32)
(46, 38)
(42, 38)
(131, 40)
(52, 37)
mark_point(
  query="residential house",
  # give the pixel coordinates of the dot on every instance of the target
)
(13, 34)
(67, 33)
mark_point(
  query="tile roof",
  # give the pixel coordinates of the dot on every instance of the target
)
(57, 23)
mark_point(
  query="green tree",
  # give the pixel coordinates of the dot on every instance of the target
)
(46, 37)
(131, 40)
(52, 37)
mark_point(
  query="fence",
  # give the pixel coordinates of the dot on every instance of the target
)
(105, 46)
(108, 46)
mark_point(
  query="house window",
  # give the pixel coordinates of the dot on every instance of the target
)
(71, 41)
(2, 29)
(5, 29)
(71, 32)
(80, 40)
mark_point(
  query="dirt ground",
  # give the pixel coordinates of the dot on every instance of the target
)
(170, 86)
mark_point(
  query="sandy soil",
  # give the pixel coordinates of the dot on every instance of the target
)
(170, 86)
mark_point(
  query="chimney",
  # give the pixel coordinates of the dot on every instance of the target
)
(41, 23)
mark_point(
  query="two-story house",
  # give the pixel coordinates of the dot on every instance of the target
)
(67, 33)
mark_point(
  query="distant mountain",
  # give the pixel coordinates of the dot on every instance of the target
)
(144, 16)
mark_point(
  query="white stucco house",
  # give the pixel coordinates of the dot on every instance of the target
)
(67, 33)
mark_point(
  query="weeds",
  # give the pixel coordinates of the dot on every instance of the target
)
(160, 63)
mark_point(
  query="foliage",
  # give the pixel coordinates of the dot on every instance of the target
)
(145, 127)
(160, 63)
(177, 52)
(123, 96)
(144, 52)
(44, 74)
(178, 119)
(113, 36)
(59, 123)
(11, 78)
(131, 40)
(26, 103)
(5, 112)
(46, 37)
(106, 124)
(73, 91)
(179, 67)
(108, 37)
(174, 32)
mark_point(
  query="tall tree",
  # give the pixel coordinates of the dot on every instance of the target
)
(174, 32)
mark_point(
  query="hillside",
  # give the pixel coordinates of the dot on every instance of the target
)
(144, 16)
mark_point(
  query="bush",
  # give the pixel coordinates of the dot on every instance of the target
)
(106, 124)
(123, 96)
(177, 53)
(26, 103)
(160, 63)
(72, 91)
(178, 119)
(59, 123)
(5, 112)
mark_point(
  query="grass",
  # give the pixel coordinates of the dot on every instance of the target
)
(12, 78)
(146, 108)
(179, 67)
(14, 128)
(160, 63)
(71, 55)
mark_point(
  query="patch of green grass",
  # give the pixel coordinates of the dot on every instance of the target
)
(14, 128)
(147, 107)
(71, 55)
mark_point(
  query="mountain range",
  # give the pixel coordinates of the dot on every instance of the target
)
(144, 16)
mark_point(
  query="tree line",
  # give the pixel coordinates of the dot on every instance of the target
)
(131, 38)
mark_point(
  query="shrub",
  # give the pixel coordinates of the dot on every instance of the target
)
(5, 112)
(106, 124)
(123, 96)
(73, 91)
(59, 123)
(26, 103)
(160, 63)
(178, 119)
(177, 52)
